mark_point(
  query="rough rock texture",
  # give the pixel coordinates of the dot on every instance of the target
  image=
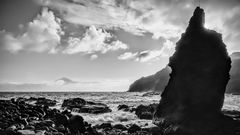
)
(82, 106)
(233, 86)
(154, 82)
(192, 100)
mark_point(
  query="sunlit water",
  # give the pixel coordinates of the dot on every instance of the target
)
(232, 102)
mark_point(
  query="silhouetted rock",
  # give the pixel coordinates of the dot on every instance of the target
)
(76, 125)
(154, 82)
(82, 106)
(120, 126)
(192, 100)
(44, 101)
(233, 86)
(145, 111)
(124, 107)
(134, 128)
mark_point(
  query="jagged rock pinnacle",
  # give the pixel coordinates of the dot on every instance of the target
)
(195, 91)
(197, 21)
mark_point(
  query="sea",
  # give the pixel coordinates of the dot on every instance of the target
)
(112, 99)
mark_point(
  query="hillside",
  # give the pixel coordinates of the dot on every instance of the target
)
(158, 81)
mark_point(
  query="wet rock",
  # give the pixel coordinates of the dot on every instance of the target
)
(76, 124)
(61, 119)
(134, 128)
(194, 95)
(120, 126)
(46, 102)
(82, 106)
(74, 103)
(156, 131)
(124, 107)
(145, 111)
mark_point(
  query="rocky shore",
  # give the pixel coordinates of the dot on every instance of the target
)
(34, 116)
(23, 116)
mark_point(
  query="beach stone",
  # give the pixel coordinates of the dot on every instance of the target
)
(120, 126)
(193, 98)
(61, 119)
(45, 101)
(133, 128)
(76, 124)
(105, 126)
(124, 107)
(145, 111)
(156, 131)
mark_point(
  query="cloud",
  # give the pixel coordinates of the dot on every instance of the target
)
(136, 17)
(43, 34)
(93, 57)
(149, 55)
(64, 81)
(163, 18)
(94, 40)
(127, 56)
(228, 25)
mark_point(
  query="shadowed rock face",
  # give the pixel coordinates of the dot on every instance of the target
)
(194, 95)
(152, 82)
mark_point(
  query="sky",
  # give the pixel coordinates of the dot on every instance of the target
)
(98, 45)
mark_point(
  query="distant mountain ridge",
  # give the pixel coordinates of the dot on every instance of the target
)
(153, 82)
(159, 80)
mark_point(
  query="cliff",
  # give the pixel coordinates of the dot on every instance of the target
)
(153, 83)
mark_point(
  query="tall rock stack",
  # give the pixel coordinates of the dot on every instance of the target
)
(194, 95)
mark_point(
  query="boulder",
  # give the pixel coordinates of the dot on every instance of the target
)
(192, 101)
(45, 101)
(145, 111)
(124, 107)
(76, 124)
(133, 129)
(120, 126)
(81, 106)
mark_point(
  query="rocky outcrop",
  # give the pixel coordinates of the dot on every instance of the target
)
(81, 106)
(233, 86)
(192, 101)
(154, 82)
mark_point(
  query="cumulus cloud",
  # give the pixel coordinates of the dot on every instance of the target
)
(149, 55)
(43, 34)
(163, 18)
(94, 40)
(136, 17)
